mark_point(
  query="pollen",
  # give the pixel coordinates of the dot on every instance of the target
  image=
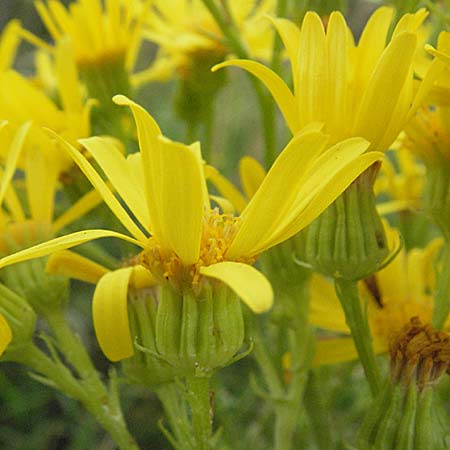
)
(218, 233)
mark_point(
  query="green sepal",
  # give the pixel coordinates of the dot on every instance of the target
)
(146, 366)
(347, 240)
(199, 332)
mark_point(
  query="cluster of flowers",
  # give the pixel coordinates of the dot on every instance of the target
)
(171, 309)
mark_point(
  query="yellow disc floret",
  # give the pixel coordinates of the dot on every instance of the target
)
(218, 233)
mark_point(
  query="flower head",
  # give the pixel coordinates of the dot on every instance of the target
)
(394, 295)
(100, 31)
(355, 90)
(186, 32)
(164, 187)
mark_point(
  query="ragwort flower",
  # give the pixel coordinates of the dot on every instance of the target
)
(164, 187)
(355, 90)
(402, 290)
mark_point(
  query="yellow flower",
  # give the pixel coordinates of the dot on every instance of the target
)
(402, 180)
(164, 188)
(22, 226)
(21, 100)
(356, 90)
(393, 296)
(100, 31)
(185, 31)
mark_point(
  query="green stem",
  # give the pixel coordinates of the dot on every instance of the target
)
(347, 292)
(267, 109)
(102, 403)
(442, 291)
(317, 412)
(199, 400)
(424, 430)
(104, 406)
(208, 124)
(73, 350)
(266, 366)
(288, 411)
(176, 414)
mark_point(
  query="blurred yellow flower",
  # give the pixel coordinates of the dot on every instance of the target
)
(185, 32)
(165, 189)
(29, 218)
(402, 290)
(356, 90)
(101, 32)
(21, 100)
(402, 180)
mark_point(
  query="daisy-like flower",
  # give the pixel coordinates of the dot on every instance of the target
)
(164, 188)
(402, 180)
(25, 220)
(21, 100)
(355, 90)
(101, 32)
(186, 33)
(402, 290)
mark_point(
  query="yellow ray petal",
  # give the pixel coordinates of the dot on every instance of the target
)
(102, 188)
(334, 351)
(41, 195)
(148, 132)
(325, 194)
(116, 169)
(82, 206)
(141, 278)
(63, 243)
(290, 36)
(249, 284)
(277, 87)
(67, 76)
(325, 311)
(110, 314)
(224, 204)
(311, 91)
(252, 175)
(225, 187)
(72, 265)
(5, 334)
(276, 193)
(372, 43)
(181, 192)
(338, 51)
(11, 160)
(384, 88)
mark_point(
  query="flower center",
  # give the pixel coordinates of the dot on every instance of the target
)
(218, 233)
(387, 321)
